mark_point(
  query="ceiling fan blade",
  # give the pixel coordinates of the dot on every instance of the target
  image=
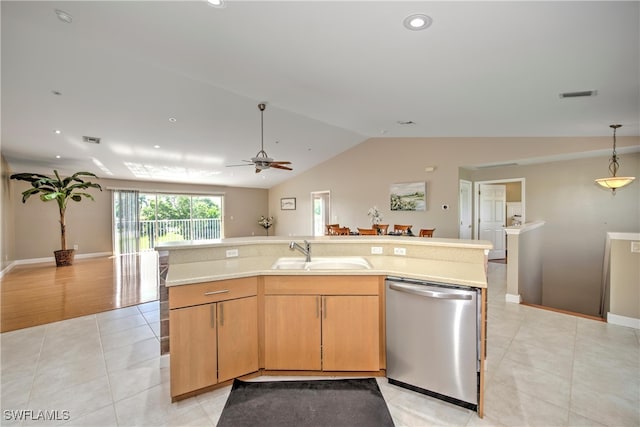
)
(279, 162)
(248, 163)
(277, 166)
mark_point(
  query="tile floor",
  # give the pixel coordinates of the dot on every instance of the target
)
(543, 369)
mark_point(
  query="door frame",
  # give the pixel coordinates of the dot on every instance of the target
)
(468, 183)
(326, 196)
(476, 200)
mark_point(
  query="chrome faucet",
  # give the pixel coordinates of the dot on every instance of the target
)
(306, 250)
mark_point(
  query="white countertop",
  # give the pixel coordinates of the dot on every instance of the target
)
(438, 271)
(449, 271)
(385, 239)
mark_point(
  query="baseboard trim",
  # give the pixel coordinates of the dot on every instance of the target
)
(616, 319)
(560, 310)
(516, 299)
(7, 269)
(52, 259)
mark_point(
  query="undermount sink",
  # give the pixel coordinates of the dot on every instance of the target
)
(322, 263)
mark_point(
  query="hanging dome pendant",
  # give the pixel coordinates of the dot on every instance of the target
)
(614, 182)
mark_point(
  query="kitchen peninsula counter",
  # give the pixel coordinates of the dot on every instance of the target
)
(255, 319)
(449, 261)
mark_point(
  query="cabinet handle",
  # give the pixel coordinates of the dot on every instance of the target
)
(221, 313)
(212, 316)
(317, 307)
(324, 307)
(216, 292)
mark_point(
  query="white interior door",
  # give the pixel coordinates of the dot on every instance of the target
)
(465, 209)
(321, 211)
(492, 209)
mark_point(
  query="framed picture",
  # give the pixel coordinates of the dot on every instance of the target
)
(409, 196)
(288, 204)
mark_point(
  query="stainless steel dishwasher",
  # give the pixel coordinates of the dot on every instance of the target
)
(433, 342)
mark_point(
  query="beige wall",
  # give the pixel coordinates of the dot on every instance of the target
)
(514, 191)
(578, 215)
(561, 193)
(7, 217)
(359, 178)
(89, 223)
(625, 280)
(530, 282)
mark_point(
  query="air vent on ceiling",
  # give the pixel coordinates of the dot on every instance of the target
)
(91, 139)
(500, 165)
(579, 94)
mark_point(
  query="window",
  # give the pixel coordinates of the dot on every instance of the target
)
(173, 217)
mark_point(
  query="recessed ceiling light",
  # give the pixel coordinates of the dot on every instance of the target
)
(56, 92)
(173, 119)
(57, 131)
(417, 21)
(156, 146)
(57, 157)
(64, 16)
(216, 3)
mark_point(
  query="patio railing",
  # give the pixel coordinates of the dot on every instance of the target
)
(166, 230)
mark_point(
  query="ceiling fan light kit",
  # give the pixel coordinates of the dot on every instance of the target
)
(614, 182)
(262, 161)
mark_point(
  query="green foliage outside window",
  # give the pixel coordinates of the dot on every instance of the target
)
(177, 207)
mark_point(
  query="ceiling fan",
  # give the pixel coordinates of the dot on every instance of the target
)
(261, 160)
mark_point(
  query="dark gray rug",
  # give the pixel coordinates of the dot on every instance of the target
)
(349, 403)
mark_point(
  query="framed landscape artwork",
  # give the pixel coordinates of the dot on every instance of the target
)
(409, 196)
(288, 204)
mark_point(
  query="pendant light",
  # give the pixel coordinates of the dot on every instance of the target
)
(614, 182)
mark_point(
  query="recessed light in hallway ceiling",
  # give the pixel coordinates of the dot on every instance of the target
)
(63, 16)
(417, 22)
(216, 3)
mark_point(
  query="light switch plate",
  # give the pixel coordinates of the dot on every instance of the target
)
(635, 247)
(376, 250)
(399, 251)
(232, 253)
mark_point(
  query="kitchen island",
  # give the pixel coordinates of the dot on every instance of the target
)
(231, 310)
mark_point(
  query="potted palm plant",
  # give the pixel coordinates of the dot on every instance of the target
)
(61, 190)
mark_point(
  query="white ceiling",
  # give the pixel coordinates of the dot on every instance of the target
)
(333, 74)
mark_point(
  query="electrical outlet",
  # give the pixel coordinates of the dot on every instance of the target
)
(232, 253)
(75, 247)
(635, 247)
(399, 251)
(376, 250)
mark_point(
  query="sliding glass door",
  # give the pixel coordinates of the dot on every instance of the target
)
(166, 218)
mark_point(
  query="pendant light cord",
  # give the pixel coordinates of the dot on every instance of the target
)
(613, 164)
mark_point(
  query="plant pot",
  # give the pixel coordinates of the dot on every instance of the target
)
(64, 257)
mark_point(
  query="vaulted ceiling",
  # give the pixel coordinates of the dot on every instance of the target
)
(172, 87)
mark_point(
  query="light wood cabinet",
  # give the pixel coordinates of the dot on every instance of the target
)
(193, 348)
(350, 333)
(317, 331)
(237, 337)
(215, 341)
(292, 332)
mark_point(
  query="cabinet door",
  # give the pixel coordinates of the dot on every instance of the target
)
(292, 332)
(350, 333)
(193, 348)
(237, 337)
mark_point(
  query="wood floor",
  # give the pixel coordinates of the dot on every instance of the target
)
(36, 294)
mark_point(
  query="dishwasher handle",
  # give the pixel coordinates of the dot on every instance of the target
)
(415, 290)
